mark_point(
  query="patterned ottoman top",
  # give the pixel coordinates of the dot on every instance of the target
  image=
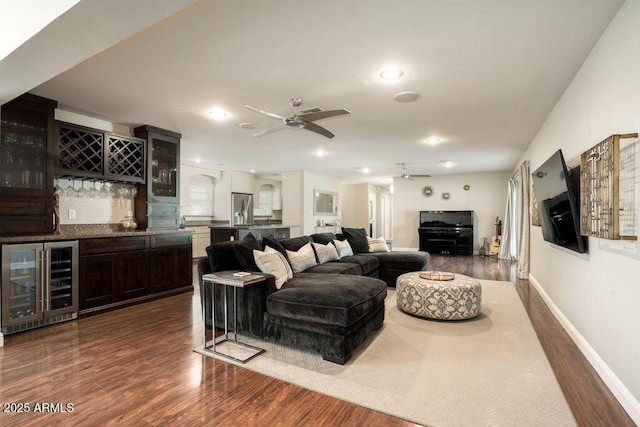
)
(457, 299)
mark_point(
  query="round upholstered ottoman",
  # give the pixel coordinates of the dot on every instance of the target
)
(456, 299)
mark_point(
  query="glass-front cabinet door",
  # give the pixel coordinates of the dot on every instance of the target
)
(27, 154)
(164, 156)
(23, 148)
(61, 277)
(21, 283)
(158, 201)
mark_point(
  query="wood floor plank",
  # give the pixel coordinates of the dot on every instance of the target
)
(135, 366)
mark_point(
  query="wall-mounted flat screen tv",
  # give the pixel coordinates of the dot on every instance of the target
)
(557, 189)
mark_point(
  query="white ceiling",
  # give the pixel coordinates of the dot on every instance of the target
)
(488, 72)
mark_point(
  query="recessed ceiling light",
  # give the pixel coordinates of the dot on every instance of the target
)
(434, 140)
(406, 96)
(248, 125)
(218, 114)
(197, 160)
(320, 153)
(365, 170)
(252, 171)
(446, 163)
(391, 73)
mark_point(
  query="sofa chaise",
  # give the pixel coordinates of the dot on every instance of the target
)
(330, 307)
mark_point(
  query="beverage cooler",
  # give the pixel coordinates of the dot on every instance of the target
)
(39, 284)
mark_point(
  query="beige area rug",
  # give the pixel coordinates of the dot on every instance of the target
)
(487, 371)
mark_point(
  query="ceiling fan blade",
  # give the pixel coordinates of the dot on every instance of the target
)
(318, 129)
(312, 117)
(266, 113)
(268, 131)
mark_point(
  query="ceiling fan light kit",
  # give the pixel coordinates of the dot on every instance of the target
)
(406, 175)
(302, 119)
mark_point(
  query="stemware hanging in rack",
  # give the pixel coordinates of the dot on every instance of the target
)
(93, 191)
(82, 192)
(70, 190)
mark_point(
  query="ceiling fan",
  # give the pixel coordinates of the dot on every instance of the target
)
(300, 120)
(405, 175)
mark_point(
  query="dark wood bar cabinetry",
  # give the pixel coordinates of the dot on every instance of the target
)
(120, 270)
(91, 153)
(158, 203)
(27, 156)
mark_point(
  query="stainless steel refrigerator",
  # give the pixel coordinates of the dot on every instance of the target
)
(242, 208)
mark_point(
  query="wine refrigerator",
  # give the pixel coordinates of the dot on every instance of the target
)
(39, 285)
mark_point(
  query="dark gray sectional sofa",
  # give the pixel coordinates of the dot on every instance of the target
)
(330, 308)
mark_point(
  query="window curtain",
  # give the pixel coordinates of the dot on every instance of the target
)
(509, 244)
(515, 239)
(524, 222)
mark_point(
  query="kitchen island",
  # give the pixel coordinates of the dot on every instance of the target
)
(238, 232)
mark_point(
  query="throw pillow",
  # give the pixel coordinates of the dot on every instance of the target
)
(357, 238)
(222, 257)
(326, 252)
(270, 242)
(295, 243)
(323, 238)
(343, 247)
(244, 252)
(378, 245)
(302, 259)
(273, 262)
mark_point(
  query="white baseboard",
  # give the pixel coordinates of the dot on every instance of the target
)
(624, 396)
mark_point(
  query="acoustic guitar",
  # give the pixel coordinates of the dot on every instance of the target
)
(495, 240)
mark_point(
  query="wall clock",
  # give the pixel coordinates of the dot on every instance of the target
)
(427, 191)
(445, 196)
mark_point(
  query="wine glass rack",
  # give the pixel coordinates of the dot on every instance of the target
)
(80, 151)
(91, 153)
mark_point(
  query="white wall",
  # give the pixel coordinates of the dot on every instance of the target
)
(355, 205)
(360, 206)
(312, 182)
(298, 197)
(597, 294)
(222, 197)
(292, 187)
(487, 197)
(93, 210)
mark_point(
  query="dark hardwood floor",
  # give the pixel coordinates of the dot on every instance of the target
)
(135, 367)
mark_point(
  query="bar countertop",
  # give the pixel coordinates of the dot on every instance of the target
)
(85, 231)
(253, 226)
